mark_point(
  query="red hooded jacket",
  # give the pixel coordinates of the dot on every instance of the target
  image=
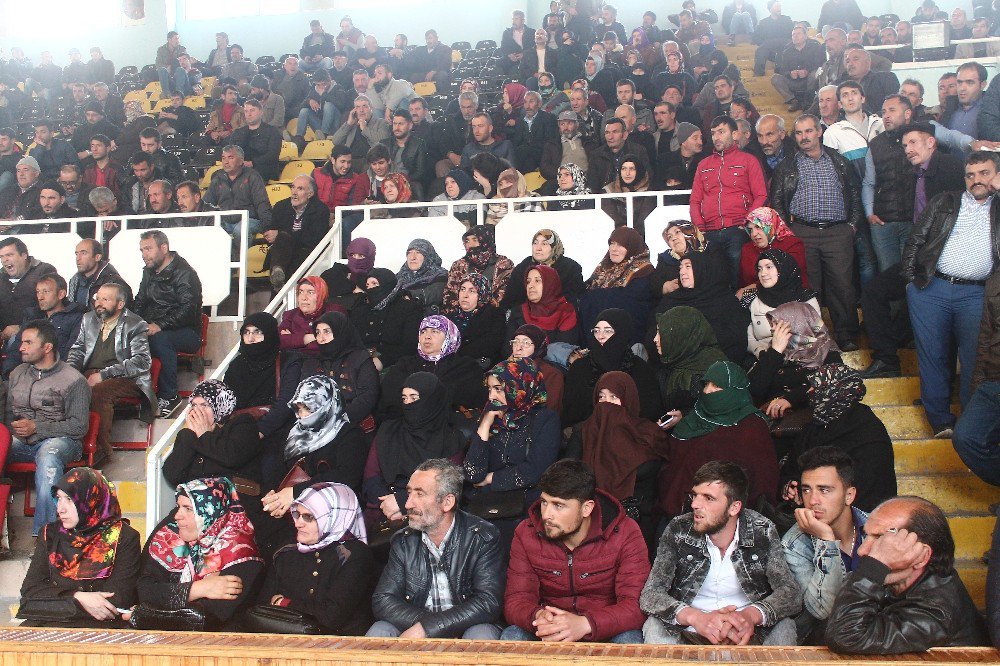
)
(727, 186)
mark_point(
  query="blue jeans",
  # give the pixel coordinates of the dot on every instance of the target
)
(232, 227)
(732, 240)
(516, 633)
(867, 264)
(944, 315)
(977, 434)
(324, 63)
(7, 179)
(888, 241)
(477, 632)
(741, 24)
(164, 346)
(326, 121)
(178, 81)
(50, 457)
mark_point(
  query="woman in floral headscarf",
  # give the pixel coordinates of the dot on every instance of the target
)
(127, 141)
(768, 231)
(202, 555)
(480, 322)
(480, 257)
(682, 238)
(546, 249)
(621, 280)
(328, 572)
(85, 564)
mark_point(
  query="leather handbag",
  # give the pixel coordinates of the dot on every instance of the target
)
(498, 505)
(267, 619)
(151, 618)
(296, 475)
(380, 533)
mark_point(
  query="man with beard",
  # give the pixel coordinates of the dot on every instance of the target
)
(728, 561)
(575, 525)
(443, 577)
(112, 352)
(92, 272)
(64, 315)
(389, 94)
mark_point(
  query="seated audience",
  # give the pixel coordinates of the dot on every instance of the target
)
(422, 274)
(480, 323)
(510, 184)
(52, 306)
(253, 374)
(298, 225)
(575, 526)
(360, 261)
(780, 282)
(768, 231)
(572, 183)
(18, 281)
(480, 257)
(296, 327)
(458, 186)
(386, 318)
(531, 342)
(546, 307)
(546, 249)
(733, 587)
(687, 347)
(682, 238)
(621, 280)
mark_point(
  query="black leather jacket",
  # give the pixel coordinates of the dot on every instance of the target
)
(931, 232)
(171, 299)
(472, 561)
(867, 618)
(785, 181)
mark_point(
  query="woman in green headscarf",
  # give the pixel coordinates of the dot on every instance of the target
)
(687, 347)
(724, 425)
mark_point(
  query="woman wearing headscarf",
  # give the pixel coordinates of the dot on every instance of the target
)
(768, 231)
(800, 344)
(360, 260)
(546, 249)
(609, 347)
(85, 563)
(780, 282)
(724, 425)
(458, 186)
(427, 429)
(213, 442)
(675, 75)
(621, 280)
(253, 374)
(682, 238)
(510, 110)
(127, 141)
(841, 420)
(328, 573)
(572, 183)
(387, 318)
(342, 290)
(709, 61)
(480, 257)
(687, 347)
(546, 307)
(631, 177)
(511, 185)
(531, 342)
(422, 274)
(396, 188)
(649, 53)
(480, 323)
(437, 345)
(704, 286)
(296, 328)
(202, 555)
(601, 81)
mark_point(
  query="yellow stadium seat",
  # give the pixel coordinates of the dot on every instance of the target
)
(278, 192)
(194, 102)
(318, 150)
(20, 86)
(296, 168)
(456, 56)
(256, 256)
(147, 105)
(533, 180)
(135, 96)
(208, 84)
(161, 105)
(154, 88)
(289, 151)
(207, 178)
(425, 88)
(293, 125)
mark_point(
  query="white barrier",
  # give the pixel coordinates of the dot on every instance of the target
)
(393, 236)
(584, 234)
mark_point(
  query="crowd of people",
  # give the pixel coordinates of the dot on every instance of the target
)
(670, 453)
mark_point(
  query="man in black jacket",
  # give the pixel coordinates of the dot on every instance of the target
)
(443, 578)
(168, 166)
(261, 143)
(409, 154)
(771, 36)
(169, 299)
(904, 594)
(298, 224)
(18, 278)
(532, 132)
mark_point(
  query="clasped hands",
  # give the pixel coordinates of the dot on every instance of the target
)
(726, 626)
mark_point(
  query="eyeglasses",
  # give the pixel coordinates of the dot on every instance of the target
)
(522, 343)
(602, 331)
(304, 517)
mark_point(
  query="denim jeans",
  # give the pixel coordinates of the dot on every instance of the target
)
(888, 240)
(516, 633)
(977, 434)
(164, 346)
(7, 179)
(477, 632)
(944, 315)
(326, 121)
(50, 457)
(232, 227)
(731, 240)
(306, 66)
(741, 24)
(178, 81)
(867, 264)
(656, 631)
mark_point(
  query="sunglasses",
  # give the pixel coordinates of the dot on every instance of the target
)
(304, 517)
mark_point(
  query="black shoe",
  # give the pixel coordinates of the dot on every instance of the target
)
(794, 106)
(880, 369)
(848, 346)
(167, 406)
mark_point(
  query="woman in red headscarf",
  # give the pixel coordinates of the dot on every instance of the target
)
(297, 325)
(511, 110)
(546, 307)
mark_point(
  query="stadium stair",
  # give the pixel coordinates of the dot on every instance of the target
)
(762, 93)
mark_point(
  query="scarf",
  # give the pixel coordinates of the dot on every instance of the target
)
(522, 387)
(516, 186)
(482, 286)
(598, 66)
(337, 513)
(552, 238)
(321, 395)
(710, 294)
(834, 389)
(430, 270)
(579, 186)
(789, 287)
(486, 253)
(611, 355)
(322, 291)
(225, 535)
(425, 430)
(695, 239)
(643, 39)
(767, 220)
(609, 275)
(345, 337)
(639, 184)
(464, 182)
(722, 408)
(689, 347)
(452, 337)
(133, 111)
(515, 95)
(388, 286)
(402, 186)
(616, 441)
(552, 312)
(252, 373)
(219, 397)
(359, 267)
(537, 337)
(811, 341)
(87, 551)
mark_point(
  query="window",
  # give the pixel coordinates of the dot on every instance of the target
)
(199, 10)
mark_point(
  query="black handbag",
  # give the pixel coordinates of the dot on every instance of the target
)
(149, 617)
(498, 505)
(48, 610)
(267, 619)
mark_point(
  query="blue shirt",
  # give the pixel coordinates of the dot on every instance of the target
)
(966, 120)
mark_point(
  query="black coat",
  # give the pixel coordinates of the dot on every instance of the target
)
(260, 146)
(530, 142)
(570, 275)
(484, 337)
(578, 400)
(171, 298)
(419, 169)
(774, 377)
(460, 374)
(391, 331)
(16, 299)
(315, 223)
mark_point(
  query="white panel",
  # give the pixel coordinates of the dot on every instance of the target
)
(584, 234)
(657, 221)
(56, 249)
(393, 236)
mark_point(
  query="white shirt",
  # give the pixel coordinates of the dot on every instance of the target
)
(968, 252)
(721, 587)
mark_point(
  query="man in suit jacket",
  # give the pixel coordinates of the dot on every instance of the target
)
(531, 132)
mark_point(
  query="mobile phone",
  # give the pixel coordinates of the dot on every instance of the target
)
(666, 419)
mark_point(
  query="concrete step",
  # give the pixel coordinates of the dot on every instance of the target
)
(920, 457)
(906, 422)
(956, 494)
(892, 392)
(973, 574)
(861, 359)
(972, 536)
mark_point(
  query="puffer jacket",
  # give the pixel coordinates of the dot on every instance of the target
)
(349, 190)
(471, 560)
(171, 299)
(600, 579)
(931, 232)
(56, 399)
(896, 181)
(727, 186)
(785, 181)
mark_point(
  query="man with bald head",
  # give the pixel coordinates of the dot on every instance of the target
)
(904, 594)
(298, 224)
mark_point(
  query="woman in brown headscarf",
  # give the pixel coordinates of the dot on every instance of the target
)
(621, 280)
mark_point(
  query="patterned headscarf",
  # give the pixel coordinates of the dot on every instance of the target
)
(87, 551)
(511, 184)
(452, 337)
(225, 535)
(608, 274)
(219, 397)
(321, 396)
(133, 111)
(695, 239)
(834, 389)
(337, 513)
(553, 239)
(537, 337)
(402, 186)
(524, 389)
(482, 285)
(486, 253)
(429, 272)
(767, 220)
(811, 341)
(579, 185)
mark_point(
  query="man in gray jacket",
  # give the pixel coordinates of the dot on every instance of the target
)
(112, 351)
(46, 412)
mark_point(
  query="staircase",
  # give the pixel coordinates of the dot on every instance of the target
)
(762, 93)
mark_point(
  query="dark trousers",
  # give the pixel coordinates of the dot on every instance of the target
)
(164, 346)
(284, 252)
(977, 437)
(886, 332)
(103, 397)
(731, 240)
(769, 50)
(830, 264)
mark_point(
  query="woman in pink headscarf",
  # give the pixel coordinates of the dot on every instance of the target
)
(768, 231)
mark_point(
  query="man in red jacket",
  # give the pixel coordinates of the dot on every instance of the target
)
(593, 561)
(729, 184)
(338, 185)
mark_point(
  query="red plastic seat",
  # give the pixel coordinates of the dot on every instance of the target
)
(197, 358)
(136, 403)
